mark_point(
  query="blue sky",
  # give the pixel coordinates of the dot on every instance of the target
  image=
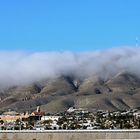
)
(75, 25)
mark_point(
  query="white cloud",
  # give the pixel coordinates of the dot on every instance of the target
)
(20, 67)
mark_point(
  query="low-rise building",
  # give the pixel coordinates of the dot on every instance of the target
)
(53, 118)
(12, 116)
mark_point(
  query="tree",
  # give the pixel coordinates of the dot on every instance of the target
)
(48, 122)
(1, 121)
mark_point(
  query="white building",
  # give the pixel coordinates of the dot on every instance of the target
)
(53, 118)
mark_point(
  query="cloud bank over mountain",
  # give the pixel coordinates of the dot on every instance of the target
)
(21, 67)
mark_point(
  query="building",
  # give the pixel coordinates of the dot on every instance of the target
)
(12, 116)
(53, 118)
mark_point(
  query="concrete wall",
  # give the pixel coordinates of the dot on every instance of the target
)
(70, 135)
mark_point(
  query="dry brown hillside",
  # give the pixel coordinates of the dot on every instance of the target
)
(120, 92)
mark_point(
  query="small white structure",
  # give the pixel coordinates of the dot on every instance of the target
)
(71, 109)
(137, 115)
(77, 110)
(54, 126)
(53, 118)
(38, 127)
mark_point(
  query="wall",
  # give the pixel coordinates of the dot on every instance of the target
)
(70, 135)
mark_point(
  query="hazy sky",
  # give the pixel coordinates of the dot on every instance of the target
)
(75, 25)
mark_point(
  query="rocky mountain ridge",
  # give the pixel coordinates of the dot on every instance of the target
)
(120, 92)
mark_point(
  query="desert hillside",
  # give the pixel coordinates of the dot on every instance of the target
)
(120, 92)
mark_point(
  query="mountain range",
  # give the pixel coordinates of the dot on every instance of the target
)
(120, 92)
